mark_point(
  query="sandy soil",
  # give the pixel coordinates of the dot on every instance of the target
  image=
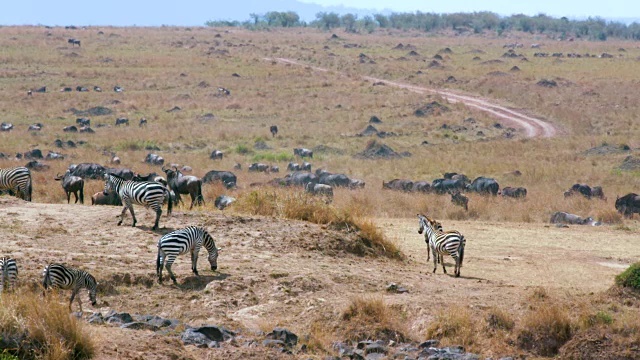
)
(278, 272)
(531, 126)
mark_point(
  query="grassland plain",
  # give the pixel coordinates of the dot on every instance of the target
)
(594, 103)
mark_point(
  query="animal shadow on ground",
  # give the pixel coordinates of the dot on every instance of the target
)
(160, 231)
(192, 283)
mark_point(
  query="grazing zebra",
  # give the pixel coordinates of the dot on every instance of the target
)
(442, 243)
(148, 193)
(17, 180)
(182, 241)
(8, 272)
(65, 278)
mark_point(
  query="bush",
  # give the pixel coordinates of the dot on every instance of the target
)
(545, 329)
(35, 327)
(297, 205)
(242, 149)
(371, 318)
(453, 325)
(630, 278)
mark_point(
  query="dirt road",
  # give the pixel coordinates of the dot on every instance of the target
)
(532, 127)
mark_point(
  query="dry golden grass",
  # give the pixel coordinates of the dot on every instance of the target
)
(42, 328)
(454, 325)
(370, 318)
(545, 327)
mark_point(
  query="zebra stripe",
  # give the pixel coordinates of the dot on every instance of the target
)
(150, 194)
(9, 273)
(443, 243)
(18, 181)
(65, 278)
(182, 241)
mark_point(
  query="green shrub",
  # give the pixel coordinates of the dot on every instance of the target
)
(630, 278)
(243, 149)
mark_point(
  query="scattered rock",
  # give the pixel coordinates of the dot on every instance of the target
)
(261, 145)
(376, 150)
(119, 318)
(139, 326)
(94, 111)
(285, 336)
(432, 108)
(434, 64)
(96, 318)
(413, 53)
(630, 163)
(451, 79)
(375, 120)
(492, 62)
(394, 288)
(174, 109)
(606, 150)
(206, 117)
(497, 73)
(515, 69)
(368, 131)
(547, 83)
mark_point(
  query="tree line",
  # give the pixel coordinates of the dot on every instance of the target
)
(595, 28)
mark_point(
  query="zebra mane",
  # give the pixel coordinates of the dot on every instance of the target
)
(115, 176)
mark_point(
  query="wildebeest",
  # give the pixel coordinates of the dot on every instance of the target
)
(143, 122)
(442, 186)
(274, 130)
(460, 200)
(300, 178)
(274, 169)
(154, 159)
(227, 178)
(216, 155)
(223, 201)
(302, 152)
(583, 189)
(118, 89)
(597, 192)
(52, 155)
(66, 89)
(74, 42)
(115, 160)
(97, 89)
(33, 154)
(336, 180)
(41, 90)
(293, 166)
(237, 166)
(71, 128)
(126, 174)
(357, 184)
(122, 121)
(398, 184)
(561, 217)
(6, 126)
(628, 204)
(305, 166)
(483, 185)
(421, 186)
(81, 89)
(83, 121)
(184, 184)
(35, 127)
(518, 192)
(72, 184)
(258, 167)
(86, 129)
(186, 169)
(100, 198)
(223, 92)
(319, 189)
(36, 165)
(88, 171)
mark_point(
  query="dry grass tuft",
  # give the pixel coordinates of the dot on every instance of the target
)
(545, 328)
(37, 327)
(499, 319)
(609, 216)
(454, 326)
(369, 318)
(297, 205)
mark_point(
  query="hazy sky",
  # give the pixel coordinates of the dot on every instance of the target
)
(609, 8)
(197, 12)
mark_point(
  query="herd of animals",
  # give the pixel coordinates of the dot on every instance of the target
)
(124, 187)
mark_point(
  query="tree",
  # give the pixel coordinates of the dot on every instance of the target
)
(349, 22)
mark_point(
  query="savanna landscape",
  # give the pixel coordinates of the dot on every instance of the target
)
(334, 272)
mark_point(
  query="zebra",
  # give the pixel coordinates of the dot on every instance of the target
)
(8, 273)
(438, 226)
(65, 278)
(148, 193)
(17, 180)
(442, 243)
(182, 241)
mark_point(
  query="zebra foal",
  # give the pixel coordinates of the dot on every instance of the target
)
(18, 181)
(8, 273)
(443, 243)
(65, 278)
(182, 241)
(150, 194)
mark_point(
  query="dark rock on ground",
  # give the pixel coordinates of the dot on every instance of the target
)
(116, 317)
(139, 326)
(289, 338)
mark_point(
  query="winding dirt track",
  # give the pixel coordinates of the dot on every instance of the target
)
(532, 127)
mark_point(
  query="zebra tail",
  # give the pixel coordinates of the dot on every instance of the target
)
(461, 250)
(200, 197)
(45, 281)
(158, 265)
(169, 202)
(29, 189)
